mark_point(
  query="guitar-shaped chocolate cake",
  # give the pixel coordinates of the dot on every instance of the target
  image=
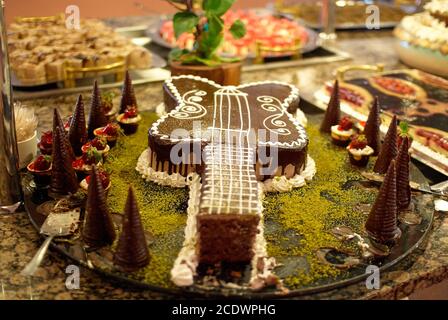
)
(234, 137)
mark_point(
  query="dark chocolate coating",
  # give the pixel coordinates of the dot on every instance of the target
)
(388, 150)
(57, 123)
(372, 128)
(403, 187)
(333, 112)
(98, 228)
(127, 94)
(381, 224)
(131, 252)
(78, 132)
(63, 176)
(97, 117)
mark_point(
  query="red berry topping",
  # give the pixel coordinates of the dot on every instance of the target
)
(345, 124)
(98, 143)
(42, 163)
(131, 112)
(104, 177)
(110, 130)
(78, 163)
(46, 140)
(359, 142)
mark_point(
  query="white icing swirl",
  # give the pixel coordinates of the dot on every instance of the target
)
(184, 269)
(283, 184)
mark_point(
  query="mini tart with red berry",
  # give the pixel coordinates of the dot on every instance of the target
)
(99, 143)
(129, 120)
(110, 132)
(45, 144)
(104, 177)
(40, 168)
(342, 132)
(83, 165)
(359, 152)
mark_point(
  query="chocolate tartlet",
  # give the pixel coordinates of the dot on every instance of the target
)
(40, 168)
(372, 127)
(403, 187)
(129, 120)
(333, 112)
(97, 117)
(381, 225)
(99, 230)
(388, 150)
(77, 133)
(359, 152)
(128, 99)
(63, 176)
(132, 251)
(342, 132)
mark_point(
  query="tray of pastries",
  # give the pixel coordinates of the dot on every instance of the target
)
(43, 50)
(415, 97)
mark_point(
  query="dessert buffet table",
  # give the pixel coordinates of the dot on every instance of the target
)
(426, 266)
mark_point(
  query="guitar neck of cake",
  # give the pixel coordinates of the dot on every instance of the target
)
(229, 182)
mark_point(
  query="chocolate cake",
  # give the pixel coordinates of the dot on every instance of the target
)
(333, 112)
(97, 117)
(78, 132)
(388, 150)
(246, 135)
(127, 94)
(372, 128)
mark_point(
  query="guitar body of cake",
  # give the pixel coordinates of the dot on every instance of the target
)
(234, 137)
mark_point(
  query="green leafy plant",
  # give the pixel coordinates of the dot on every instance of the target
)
(207, 26)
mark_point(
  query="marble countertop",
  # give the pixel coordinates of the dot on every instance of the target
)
(19, 240)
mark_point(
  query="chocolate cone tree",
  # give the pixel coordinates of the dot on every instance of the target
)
(381, 224)
(77, 134)
(132, 250)
(333, 112)
(98, 228)
(127, 95)
(388, 150)
(403, 187)
(97, 117)
(372, 128)
(63, 176)
(57, 123)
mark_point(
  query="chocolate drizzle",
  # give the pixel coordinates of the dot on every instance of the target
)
(381, 224)
(132, 252)
(98, 228)
(388, 150)
(127, 95)
(372, 128)
(97, 117)
(63, 176)
(332, 114)
(403, 187)
(78, 133)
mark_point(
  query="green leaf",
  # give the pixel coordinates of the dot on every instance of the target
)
(176, 54)
(192, 58)
(238, 29)
(217, 7)
(215, 25)
(209, 44)
(184, 22)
